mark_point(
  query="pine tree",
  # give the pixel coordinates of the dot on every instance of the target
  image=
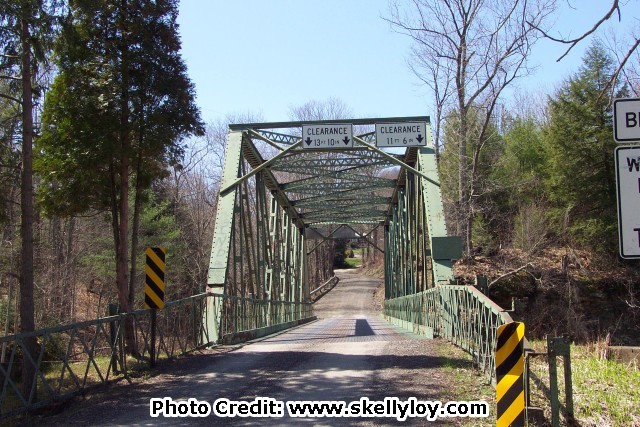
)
(116, 115)
(25, 30)
(580, 145)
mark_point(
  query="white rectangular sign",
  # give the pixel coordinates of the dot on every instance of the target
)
(327, 136)
(628, 184)
(407, 134)
(626, 120)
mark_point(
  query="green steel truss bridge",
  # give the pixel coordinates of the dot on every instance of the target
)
(280, 200)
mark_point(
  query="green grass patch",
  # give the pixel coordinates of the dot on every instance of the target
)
(464, 382)
(353, 262)
(605, 392)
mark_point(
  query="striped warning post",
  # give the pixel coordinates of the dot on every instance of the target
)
(509, 375)
(154, 281)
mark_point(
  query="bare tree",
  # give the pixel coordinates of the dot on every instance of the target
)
(470, 50)
(632, 75)
(628, 70)
(330, 109)
(438, 77)
(623, 56)
(194, 186)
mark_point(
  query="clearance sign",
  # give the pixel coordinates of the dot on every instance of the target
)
(407, 134)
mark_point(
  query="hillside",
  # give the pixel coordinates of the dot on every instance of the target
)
(564, 290)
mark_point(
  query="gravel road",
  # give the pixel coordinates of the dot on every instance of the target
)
(348, 353)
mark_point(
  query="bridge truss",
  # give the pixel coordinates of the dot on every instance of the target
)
(280, 202)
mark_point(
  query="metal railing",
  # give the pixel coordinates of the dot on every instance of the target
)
(246, 314)
(321, 290)
(73, 358)
(461, 314)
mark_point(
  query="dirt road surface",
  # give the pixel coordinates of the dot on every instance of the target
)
(348, 353)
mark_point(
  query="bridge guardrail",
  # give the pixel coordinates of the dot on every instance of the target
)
(321, 290)
(461, 314)
(76, 357)
(246, 314)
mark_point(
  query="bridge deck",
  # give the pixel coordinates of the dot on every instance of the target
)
(350, 352)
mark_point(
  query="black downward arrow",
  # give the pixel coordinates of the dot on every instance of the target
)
(346, 140)
(308, 140)
(419, 138)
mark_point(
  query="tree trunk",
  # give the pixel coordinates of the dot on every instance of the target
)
(464, 216)
(137, 203)
(122, 246)
(70, 266)
(27, 320)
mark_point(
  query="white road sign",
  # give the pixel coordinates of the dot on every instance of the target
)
(407, 134)
(628, 184)
(626, 120)
(327, 136)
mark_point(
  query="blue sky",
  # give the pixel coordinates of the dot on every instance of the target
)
(267, 56)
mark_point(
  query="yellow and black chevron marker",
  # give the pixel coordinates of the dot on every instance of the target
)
(509, 375)
(154, 281)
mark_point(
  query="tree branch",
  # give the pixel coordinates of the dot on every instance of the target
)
(614, 77)
(573, 42)
(511, 273)
(10, 98)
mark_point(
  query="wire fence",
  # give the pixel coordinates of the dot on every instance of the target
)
(73, 358)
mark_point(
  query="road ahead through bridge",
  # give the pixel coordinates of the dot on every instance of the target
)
(348, 353)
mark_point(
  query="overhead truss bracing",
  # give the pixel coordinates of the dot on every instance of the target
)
(304, 162)
(275, 195)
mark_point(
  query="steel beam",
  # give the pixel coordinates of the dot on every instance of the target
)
(355, 122)
(434, 211)
(221, 244)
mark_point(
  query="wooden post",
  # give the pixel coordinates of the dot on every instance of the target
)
(152, 348)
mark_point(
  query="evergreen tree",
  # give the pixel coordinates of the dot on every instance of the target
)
(116, 115)
(579, 139)
(26, 27)
(484, 149)
(520, 175)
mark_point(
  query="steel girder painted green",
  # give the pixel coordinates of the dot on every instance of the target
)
(354, 194)
(434, 217)
(340, 179)
(322, 188)
(416, 223)
(341, 202)
(257, 249)
(305, 162)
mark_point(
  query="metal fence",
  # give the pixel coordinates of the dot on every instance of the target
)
(247, 314)
(461, 314)
(73, 358)
(322, 290)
